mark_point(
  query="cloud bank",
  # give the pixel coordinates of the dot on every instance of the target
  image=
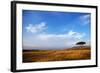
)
(50, 41)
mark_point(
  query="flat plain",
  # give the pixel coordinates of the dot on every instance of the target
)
(74, 53)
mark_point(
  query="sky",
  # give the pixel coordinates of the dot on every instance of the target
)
(54, 30)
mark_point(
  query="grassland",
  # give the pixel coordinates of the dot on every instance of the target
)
(75, 53)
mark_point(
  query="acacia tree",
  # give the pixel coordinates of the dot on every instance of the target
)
(80, 43)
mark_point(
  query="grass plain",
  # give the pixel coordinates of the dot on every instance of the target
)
(74, 53)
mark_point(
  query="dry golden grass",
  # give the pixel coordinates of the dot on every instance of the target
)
(75, 53)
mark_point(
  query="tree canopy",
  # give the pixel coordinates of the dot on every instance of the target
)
(80, 43)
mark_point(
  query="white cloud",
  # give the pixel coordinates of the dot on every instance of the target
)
(86, 16)
(36, 27)
(75, 34)
(85, 19)
(70, 34)
(55, 40)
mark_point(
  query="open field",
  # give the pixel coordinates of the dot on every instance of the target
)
(75, 53)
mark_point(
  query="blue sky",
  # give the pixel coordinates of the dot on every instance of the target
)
(50, 29)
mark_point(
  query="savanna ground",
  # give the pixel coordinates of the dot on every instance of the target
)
(75, 53)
